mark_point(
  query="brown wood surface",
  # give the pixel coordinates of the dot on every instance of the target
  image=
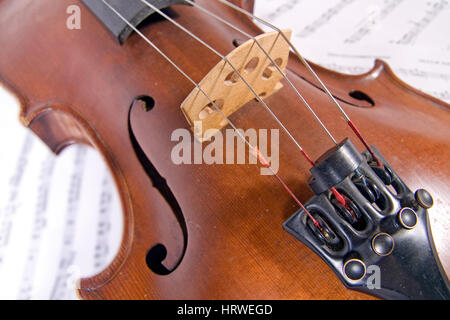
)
(76, 86)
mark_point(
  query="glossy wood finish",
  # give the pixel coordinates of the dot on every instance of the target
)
(78, 85)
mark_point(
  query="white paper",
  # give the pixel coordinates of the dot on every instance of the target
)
(348, 35)
(60, 217)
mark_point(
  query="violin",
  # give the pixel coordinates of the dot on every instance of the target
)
(336, 205)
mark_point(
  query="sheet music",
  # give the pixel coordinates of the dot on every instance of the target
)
(60, 217)
(347, 36)
(402, 22)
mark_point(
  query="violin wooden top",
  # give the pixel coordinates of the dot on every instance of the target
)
(77, 86)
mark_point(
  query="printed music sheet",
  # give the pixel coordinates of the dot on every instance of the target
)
(348, 35)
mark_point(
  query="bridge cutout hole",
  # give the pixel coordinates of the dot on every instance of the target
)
(232, 78)
(268, 72)
(209, 109)
(251, 65)
(262, 95)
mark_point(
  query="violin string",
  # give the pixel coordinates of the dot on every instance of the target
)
(225, 59)
(273, 63)
(339, 197)
(334, 191)
(311, 71)
(261, 158)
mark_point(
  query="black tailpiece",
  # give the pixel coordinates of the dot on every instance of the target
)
(380, 241)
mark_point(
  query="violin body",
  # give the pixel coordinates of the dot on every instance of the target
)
(217, 229)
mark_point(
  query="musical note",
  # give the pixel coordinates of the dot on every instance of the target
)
(15, 183)
(285, 7)
(370, 23)
(418, 26)
(324, 18)
(67, 256)
(52, 210)
(39, 224)
(104, 224)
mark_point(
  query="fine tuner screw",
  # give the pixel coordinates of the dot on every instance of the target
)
(424, 198)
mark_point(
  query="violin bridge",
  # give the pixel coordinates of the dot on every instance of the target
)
(227, 89)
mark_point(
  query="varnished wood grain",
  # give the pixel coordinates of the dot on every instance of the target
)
(236, 247)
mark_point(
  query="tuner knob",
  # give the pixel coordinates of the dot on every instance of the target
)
(354, 269)
(407, 218)
(383, 244)
(424, 198)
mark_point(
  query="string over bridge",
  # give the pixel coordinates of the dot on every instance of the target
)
(230, 93)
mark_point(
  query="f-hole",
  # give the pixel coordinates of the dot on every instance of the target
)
(146, 102)
(156, 254)
(359, 95)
